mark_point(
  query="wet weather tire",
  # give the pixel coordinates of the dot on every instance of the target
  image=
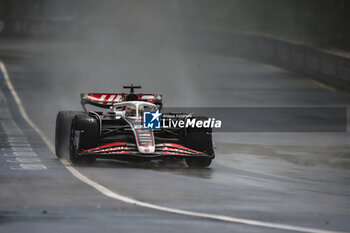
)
(89, 134)
(200, 139)
(198, 162)
(62, 134)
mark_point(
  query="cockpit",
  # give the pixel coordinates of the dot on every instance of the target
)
(133, 109)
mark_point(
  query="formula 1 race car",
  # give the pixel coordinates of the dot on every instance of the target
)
(120, 133)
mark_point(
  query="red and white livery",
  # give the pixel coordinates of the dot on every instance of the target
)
(118, 132)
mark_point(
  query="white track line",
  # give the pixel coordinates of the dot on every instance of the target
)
(107, 192)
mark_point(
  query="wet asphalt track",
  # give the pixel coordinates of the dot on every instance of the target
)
(299, 179)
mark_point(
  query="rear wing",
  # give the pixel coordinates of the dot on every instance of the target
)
(106, 100)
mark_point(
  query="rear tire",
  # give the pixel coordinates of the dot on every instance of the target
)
(62, 133)
(200, 139)
(89, 135)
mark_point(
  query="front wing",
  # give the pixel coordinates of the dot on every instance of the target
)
(123, 148)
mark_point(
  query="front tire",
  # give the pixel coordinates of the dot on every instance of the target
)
(200, 139)
(198, 162)
(62, 133)
(89, 135)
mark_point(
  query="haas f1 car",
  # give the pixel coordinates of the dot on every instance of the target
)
(118, 132)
